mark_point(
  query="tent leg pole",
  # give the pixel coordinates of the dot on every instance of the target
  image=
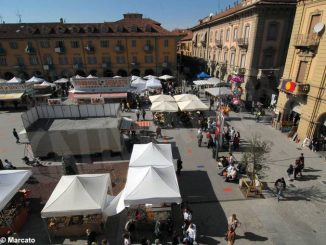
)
(47, 231)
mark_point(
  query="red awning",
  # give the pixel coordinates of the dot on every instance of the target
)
(103, 95)
(143, 124)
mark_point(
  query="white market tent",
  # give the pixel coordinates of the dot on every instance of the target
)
(220, 91)
(164, 106)
(15, 80)
(46, 84)
(210, 81)
(148, 77)
(133, 78)
(10, 182)
(151, 179)
(139, 84)
(166, 77)
(34, 80)
(91, 76)
(185, 97)
(117, 76)
(153, 83)
(3, 80)
(78, 195)
(78, 76)
(192, 105)
(161, 97)
(61, 80)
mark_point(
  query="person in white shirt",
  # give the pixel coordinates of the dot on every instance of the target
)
(191, 231)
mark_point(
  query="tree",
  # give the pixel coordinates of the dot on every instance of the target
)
(255, 157)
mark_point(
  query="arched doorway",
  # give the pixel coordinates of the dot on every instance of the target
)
(93, 72)
(8, 75)
(80, 73)
(122, 73)
(107, 73)
(292, 111)
(135, 72)
(149, 72)
(320, 132)
(166, 72)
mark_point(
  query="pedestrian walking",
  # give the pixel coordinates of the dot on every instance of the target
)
(301, 165)
(290, 171)
(14, 132)
(179, 166)
(233, 222)
(280, 186)
(230, 236)
(143, 112)
(200, 139)
(158, 132)
(137, 113)
(296, 168)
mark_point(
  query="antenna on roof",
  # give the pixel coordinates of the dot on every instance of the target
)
(19, 16)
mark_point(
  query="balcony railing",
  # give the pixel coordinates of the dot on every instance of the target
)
(59, 50)
(219, 43)
(148, 48)
(306, 40)
(242, 42)
(119, 48)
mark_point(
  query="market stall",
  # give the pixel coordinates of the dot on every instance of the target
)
(151, 186)
(13, 206)
(76, 204)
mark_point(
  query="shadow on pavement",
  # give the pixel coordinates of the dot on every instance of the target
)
(307, 194)
(252, 237)
(208, 215)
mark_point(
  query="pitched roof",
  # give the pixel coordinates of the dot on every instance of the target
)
(128, 26)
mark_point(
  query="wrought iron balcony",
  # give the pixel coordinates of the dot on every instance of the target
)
(306, 41)
(59, 50)
(242, 43)
(219, 43)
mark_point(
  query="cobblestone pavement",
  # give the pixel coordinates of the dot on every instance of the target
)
(298, 219)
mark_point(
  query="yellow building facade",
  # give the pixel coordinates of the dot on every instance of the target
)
(301, 104)
(131, 46)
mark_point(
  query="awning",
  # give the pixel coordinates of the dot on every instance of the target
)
(143, 124)
(297, 109)
(12, 96)
(103, 95)
(40, 95)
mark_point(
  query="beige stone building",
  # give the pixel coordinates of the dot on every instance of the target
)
(302, 100)
(249, 39)
(186, 45)
(131, 46)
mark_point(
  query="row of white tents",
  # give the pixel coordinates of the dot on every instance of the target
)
(167, 103)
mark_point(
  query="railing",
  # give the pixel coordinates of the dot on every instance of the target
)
(242, 42)
(306, 40)
(219, 43)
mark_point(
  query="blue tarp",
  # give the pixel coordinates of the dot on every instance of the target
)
(203, 75)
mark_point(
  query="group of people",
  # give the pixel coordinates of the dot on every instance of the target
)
(296, 170)
(231, 135)
(140, 111)
(229, 171)
(189, 230)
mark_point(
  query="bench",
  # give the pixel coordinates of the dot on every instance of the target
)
(246, 183)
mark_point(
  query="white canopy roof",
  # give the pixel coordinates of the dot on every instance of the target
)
(117, 76)
(91, 76)
(209, 81)
(133, 78)
(139, 84)
(164, 106)
(35, 80)
(220, 91)
(161, 97)
(3, 80)
(151, 179)
(10, 182)
(156, 155)
(78, 195)
(46, 84)
(192, 105)
(78, 76)
(151, 185)
(15, 80)
(149, 77)
(166, 77)
(185, 97)
(61, 80)
(153, 83)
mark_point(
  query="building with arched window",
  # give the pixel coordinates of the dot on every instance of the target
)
(249, 39)
(114, 48)
(301, 106)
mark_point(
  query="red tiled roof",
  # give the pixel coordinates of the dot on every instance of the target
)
(188, 37)
(124, 27)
